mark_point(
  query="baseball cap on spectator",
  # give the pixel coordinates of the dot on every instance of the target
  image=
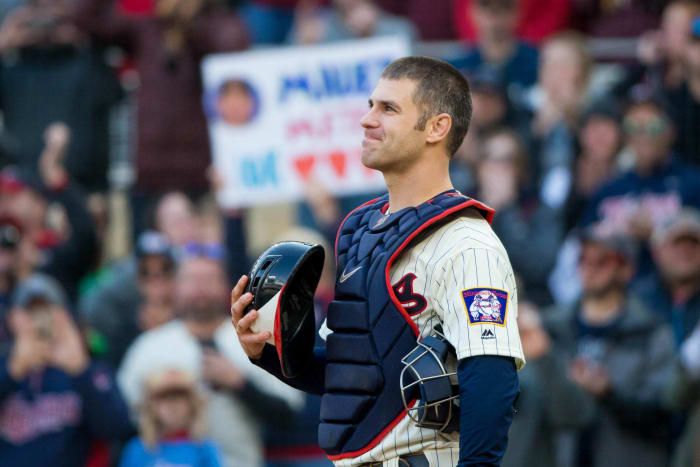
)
(152, 243)
(39, 287)
(613, 241)
(14, 179)
(606, 110)
(686, 223)
(10, 233)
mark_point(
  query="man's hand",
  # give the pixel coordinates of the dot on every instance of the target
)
(219, 372)
(591, 377)
(30, 351)
(57, 138)
(68, 351)
(252, 343)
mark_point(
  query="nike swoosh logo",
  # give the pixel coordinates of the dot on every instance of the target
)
(344, 276)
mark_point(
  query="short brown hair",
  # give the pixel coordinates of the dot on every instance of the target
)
(440, 88)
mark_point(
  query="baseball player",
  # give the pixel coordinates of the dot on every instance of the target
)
(420, 256)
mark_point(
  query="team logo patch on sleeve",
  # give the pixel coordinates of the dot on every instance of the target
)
(485, 305)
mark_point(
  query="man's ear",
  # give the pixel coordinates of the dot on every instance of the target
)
(438, 127)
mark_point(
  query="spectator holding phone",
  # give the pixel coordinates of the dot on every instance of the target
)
(54, 401)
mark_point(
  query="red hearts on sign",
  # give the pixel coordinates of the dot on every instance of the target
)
(339, 162)
(304, 165)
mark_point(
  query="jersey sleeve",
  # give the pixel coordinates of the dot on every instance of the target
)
(478, 302)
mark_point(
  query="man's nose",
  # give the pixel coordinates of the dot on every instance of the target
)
(369, 120)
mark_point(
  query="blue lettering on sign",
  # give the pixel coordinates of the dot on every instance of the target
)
(334, 80)
(259, 171)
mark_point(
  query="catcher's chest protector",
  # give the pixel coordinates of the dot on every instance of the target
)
(371, 330)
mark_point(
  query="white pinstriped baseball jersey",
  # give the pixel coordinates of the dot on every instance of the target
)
(459, 276)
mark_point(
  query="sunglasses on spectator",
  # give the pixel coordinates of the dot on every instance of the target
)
(599, 260)
(653, 128)
(9, 237)
(213, 251)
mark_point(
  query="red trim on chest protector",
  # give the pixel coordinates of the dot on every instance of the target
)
(377, 439)
(392, 295)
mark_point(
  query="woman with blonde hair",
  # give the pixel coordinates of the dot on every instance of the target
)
(171, 424)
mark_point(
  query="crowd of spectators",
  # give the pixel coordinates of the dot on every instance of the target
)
(125, 356)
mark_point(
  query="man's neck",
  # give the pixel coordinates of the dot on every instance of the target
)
(497, 51)
(203, 330)
(601, 309)
(418, 183)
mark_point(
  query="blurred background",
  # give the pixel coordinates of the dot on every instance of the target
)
(116, 260)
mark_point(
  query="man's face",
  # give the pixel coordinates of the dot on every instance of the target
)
(649, 134)
(600, 269)
(201, 291)
(678, 258)
(391, 139)
(236, 106)
(495, 19)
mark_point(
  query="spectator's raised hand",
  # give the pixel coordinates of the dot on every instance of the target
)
(56, 139)
(534, 338)
(67, 350)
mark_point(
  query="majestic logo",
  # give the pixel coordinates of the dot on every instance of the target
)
(488, 334)
(485, 305)
(346, 275)
(412, 302)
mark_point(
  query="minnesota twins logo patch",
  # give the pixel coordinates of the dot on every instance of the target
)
(485, 305)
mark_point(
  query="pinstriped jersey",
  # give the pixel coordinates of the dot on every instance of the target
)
(457, 275)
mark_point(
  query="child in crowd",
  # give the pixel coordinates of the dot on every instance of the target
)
(170, 425)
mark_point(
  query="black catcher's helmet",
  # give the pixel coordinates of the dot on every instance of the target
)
(283, 281)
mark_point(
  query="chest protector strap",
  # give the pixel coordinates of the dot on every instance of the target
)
(371, 330)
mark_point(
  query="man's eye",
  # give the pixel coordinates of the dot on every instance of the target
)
(390, 108)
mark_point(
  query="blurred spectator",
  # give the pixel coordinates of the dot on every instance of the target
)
(172, 147)
(48, 75)
(683, 394)
(656, 187)
(269, 21)
(347, 19)
(528, 228)
(673, 287)
(54, 401)
(549, 402)
(536, 20)
(600, 138)
(684, 101)
(66, 252)
(123, 309)
(616, 18)
(662, 53)
(619, 353)
(112, 306)
(556, 104)
(171, 424)
(202, 341)
(433, 19)
(497, 46)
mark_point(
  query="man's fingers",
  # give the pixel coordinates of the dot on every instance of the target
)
(247, 321)
(238, 288)
(257, 338)
(239, 305)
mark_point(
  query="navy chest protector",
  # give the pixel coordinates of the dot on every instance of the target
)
(371, 330)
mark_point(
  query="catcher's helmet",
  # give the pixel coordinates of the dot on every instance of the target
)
(283, 281)
(425, 377)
